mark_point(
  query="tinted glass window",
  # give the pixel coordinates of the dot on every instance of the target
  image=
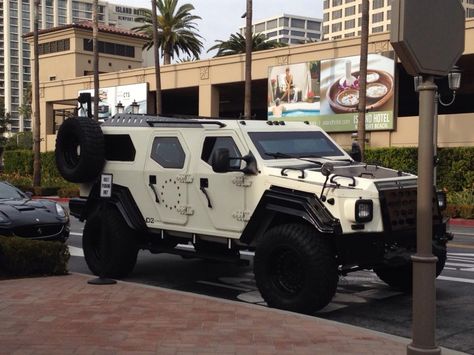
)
(167, 152)
(119, 147)
(298, 144)
(9, 192)
(211, 144)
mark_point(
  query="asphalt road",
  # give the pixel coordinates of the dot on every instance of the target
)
(361, 298)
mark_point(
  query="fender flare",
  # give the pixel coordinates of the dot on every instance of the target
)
(123, 200)
(298, 204)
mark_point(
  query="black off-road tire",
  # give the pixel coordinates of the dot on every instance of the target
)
(80, 149)
(295, 269)
(109, 247)
(401, 277)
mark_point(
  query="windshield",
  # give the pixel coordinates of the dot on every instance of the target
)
(9, 192)
(294, 144)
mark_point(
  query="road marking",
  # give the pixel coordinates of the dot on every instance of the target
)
(459, 264)
(464, 234)
(76, 234)
(74, 251)
(456, 279)
(455, 245)
(461, 254)
(224, 286)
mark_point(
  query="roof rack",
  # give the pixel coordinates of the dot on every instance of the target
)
(140, 120)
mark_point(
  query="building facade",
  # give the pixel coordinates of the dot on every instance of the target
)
(289, 29)
(17, 18)
(342, 18)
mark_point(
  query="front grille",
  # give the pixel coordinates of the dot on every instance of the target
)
(399, 208)
(38, 231)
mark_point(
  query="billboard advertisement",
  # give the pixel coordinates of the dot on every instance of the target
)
(109, 98)
(327, 93)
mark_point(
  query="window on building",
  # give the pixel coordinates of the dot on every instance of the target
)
(349, 24)
(111, 48)
(389, 14)
(469, 13)
(336, 27)
(348, 1)
(297, 23)
(295, 41)
(336, 14)
(313, 25)
(168, 152)
(283, 22)
(337, 37)
(326, 17)
(349, 11)
(283, 40)
(377, 29)
(284, 32)
(54, 46)
(325, 29)
(388, 28)
(377, 4)
(326, 4)
(313, 35)
(298, 34)
(350, 34)
(260, 27)
(272, 24)
(378, 17)
(336, 2)
(272, 34)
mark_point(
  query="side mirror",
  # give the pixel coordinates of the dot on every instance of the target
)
(221, 160)
(356, 153)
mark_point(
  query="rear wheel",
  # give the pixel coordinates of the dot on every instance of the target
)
(109, 247)
(295, 269)
(401, 277)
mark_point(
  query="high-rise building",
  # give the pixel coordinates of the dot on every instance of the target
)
(289, 29)
(17, 19)
(342, 18)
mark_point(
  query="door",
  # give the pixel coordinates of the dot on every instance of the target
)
(165, 176)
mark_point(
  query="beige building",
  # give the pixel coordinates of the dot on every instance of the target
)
(215, 87)
(342, 18)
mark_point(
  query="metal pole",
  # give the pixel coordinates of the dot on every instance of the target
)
(424, 263)
(248, 63)
(435, 137)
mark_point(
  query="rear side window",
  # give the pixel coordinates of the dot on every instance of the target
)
(168, 152)
(211, 144)
(119, 147)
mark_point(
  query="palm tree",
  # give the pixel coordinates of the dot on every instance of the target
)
(95, 50)
(177, 29)
(236, 44)
(37, 122)
(156, 54)
(363, 77)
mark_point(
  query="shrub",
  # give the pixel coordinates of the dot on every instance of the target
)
(25, 257)
(68, 191)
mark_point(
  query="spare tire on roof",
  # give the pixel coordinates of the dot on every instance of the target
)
(80, 149)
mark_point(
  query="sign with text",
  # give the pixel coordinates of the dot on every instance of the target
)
(327, 93)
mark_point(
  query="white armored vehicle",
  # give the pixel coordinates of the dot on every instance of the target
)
(285, 190)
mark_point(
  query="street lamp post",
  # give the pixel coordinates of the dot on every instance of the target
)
(454, 82)
(119, 107)
(135, 107)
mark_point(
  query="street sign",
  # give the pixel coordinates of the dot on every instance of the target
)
(428, 35)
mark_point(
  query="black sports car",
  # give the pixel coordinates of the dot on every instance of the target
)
(33, 219)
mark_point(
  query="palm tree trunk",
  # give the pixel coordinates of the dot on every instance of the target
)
(364, 48)
(95, 49)
(156, 53)
(248, 63)
(37, 122)
(167, 54)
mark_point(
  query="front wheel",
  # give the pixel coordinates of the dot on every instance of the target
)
(401, 277)
(108, 244)
(295, 269)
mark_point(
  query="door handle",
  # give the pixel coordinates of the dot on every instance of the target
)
(151, 183)
(203, 185)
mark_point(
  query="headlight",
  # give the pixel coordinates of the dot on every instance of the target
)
(3, 218)
(364, 211)
(60, 210)
(442, 203)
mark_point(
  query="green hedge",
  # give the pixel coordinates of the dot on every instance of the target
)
(25, 257)
(455, 169)
(21, 162)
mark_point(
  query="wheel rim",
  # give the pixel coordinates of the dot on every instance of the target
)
(287, 270)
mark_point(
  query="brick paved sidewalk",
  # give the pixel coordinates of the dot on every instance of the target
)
(65, 315)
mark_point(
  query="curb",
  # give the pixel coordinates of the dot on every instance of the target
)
(461, 222)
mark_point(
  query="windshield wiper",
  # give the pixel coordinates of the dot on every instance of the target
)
(314, 156)
(279, 155)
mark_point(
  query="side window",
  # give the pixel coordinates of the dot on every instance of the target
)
(167, 152)
(211, 144)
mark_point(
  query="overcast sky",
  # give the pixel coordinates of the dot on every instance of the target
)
(220, 18)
